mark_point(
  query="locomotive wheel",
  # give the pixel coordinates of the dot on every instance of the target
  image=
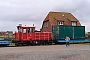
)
(32, 44)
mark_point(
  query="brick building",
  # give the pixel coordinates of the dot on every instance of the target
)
(59, 18)
(2, 33)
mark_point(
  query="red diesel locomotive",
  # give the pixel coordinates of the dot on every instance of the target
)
(28, 35)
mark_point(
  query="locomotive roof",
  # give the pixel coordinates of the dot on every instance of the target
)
(26, 26)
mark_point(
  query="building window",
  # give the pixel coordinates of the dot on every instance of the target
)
(74, 24)
(60, 22)
(46, 24)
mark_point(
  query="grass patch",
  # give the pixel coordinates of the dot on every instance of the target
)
(9, 37)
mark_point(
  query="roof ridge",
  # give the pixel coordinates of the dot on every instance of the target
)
(58, 12)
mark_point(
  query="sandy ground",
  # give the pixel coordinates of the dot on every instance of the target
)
(48, 52)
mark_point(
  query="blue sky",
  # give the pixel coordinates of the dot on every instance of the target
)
(29, 12)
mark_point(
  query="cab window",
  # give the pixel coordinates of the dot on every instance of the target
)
(24, 30)
(30, 30)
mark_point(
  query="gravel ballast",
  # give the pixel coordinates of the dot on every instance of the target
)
(48, 52)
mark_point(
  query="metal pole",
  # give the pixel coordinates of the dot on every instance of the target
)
(73, 32)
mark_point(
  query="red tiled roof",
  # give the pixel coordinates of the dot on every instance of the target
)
(58, 15)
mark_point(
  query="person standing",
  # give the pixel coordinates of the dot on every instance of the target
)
(67, 40)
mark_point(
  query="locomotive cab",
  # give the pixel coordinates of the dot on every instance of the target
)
(25, 33)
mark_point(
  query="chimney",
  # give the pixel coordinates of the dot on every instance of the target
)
(33, 24)
(20, 24)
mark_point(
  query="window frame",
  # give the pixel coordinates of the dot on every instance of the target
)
(24, 30)
(46, 23)
(74, 23)
(30, 30)
(60, 23)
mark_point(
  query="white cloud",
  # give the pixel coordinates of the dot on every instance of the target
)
(79, 8)
(13, 12)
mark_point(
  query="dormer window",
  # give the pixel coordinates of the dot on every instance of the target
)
(60, 22)
(74, 23)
